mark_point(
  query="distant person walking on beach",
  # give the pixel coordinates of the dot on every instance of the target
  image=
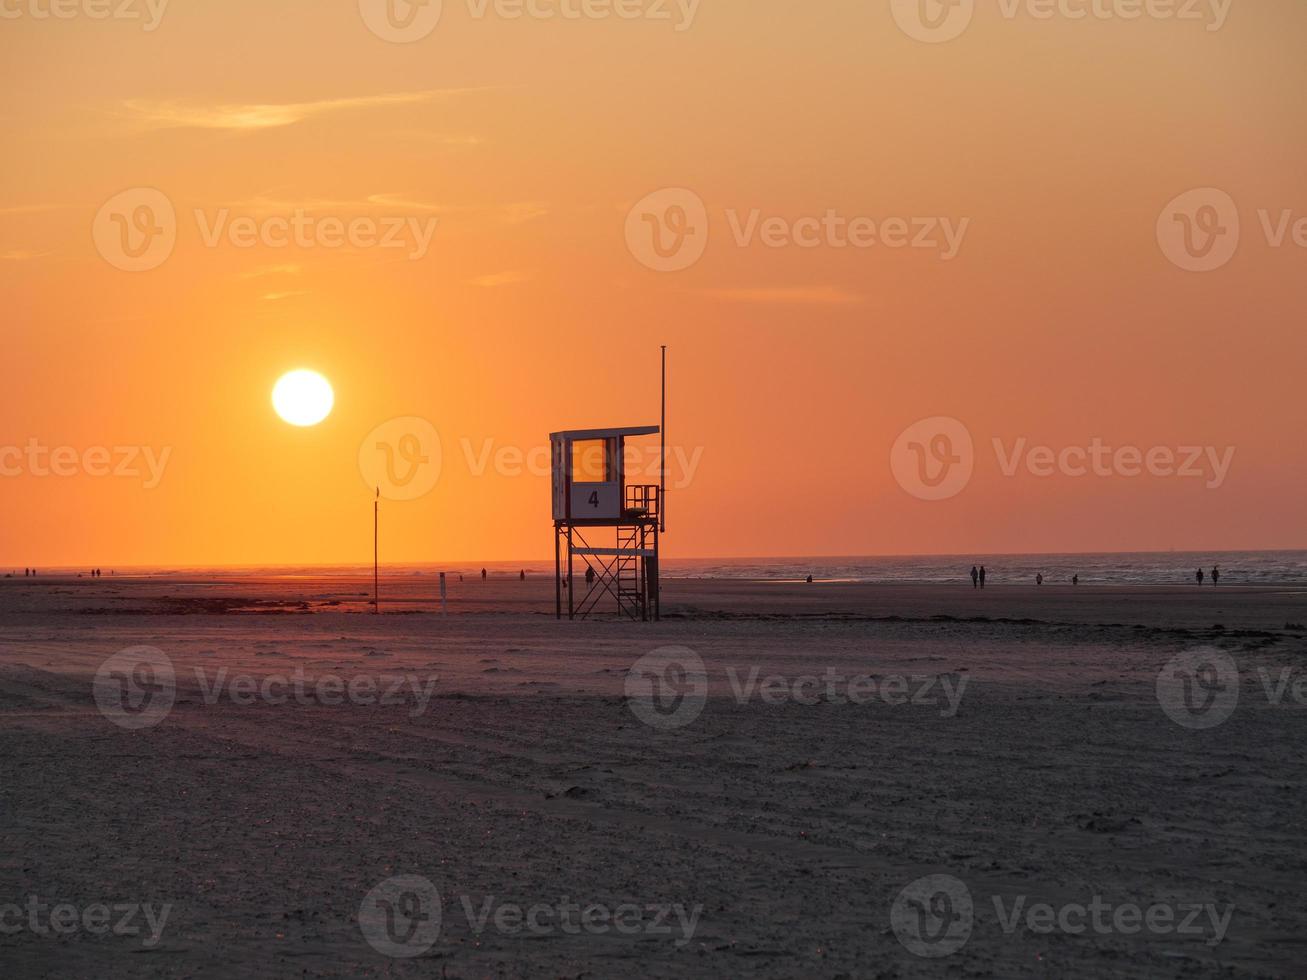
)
(1216, 575)
(1075, 579)
(1199, 576)
(1039, 579)
(589, 575)
(982, 576)
(483, 575)
(523, 576)
(975, 578)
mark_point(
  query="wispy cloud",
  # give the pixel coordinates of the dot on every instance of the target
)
(22, 255)
(274, 202)
(804, 295)
(523, 211)
(289, 294)
(146, 114)
(289, 269)
(31, 208)
(502, 279)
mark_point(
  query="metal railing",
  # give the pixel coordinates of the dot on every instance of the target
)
(641, 501)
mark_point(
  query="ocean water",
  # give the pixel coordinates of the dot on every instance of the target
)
(1160, 568)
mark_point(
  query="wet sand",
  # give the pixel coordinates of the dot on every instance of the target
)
(1025, 755)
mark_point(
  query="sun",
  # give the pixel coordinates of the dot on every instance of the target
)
(303, 398)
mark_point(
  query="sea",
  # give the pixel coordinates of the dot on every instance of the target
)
(1143, 568)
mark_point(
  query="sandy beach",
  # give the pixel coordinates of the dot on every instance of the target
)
(1012, 741)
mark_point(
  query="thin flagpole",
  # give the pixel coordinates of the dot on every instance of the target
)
(376, 575)
(662, 435)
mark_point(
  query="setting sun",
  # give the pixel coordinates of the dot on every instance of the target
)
(303, 398)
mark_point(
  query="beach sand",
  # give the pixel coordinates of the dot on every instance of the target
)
(785, 830)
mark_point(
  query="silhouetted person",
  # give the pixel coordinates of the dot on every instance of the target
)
(483, 575)
(975, 578)
(1199, 576)
(522, 576)
(1075, 579)
(1216, 575)
(982, 576)
(1039, 579)
(809, 579)
(589, 576)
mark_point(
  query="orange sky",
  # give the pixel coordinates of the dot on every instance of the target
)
(794, 370)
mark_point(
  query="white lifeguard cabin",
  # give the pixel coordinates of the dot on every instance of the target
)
(611, 525)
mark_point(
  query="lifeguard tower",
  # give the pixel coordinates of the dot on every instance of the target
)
(610, 525)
